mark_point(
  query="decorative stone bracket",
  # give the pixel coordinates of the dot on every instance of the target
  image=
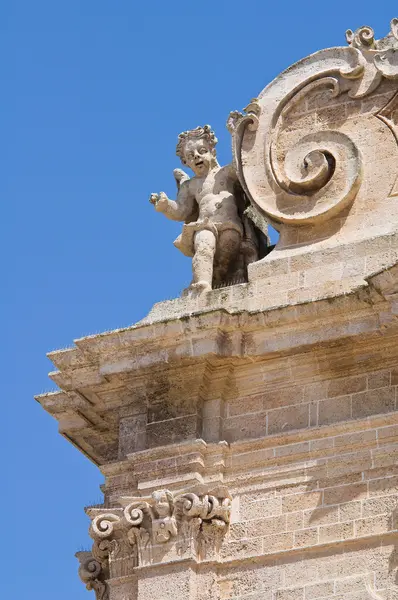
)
(92, 574)
(149, 530)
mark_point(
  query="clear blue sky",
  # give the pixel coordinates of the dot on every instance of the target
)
(94, 93)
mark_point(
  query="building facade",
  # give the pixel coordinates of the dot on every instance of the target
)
(248, 434)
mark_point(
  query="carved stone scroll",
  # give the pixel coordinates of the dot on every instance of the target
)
(300, 162)
(206, 507)
(103, 531)
(93, 575)
(145, 525)
(111, 547)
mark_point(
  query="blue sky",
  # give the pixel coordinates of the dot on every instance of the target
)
(94, 94)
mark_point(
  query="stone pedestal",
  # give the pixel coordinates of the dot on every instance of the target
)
(249, 435)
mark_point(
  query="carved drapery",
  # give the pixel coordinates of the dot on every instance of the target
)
(301, 171)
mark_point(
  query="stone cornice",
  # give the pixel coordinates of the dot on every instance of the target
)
(131, 348)
(111, 370)
(296, 455)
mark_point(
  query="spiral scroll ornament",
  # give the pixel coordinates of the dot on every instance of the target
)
(317, 173)
(92, 575)
(193, 506)
(298, 157)
(205, 507)
(364, 37)
(219, 509)
(89, 569)
(103, 525)
(135, 512)
(102, 549)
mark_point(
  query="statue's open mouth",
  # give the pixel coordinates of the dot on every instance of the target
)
(199, 163)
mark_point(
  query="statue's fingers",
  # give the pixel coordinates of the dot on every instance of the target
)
(153, 198)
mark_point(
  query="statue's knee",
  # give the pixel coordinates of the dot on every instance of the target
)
(206, 251)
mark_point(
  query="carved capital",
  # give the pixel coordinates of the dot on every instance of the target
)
(205, 507)
(104, 530)
(145, 525)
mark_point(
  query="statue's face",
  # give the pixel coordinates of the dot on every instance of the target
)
(162, 505)
(198, 156)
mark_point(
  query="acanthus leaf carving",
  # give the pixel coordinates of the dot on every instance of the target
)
(155, 516)
(145, 524)
(380, 56)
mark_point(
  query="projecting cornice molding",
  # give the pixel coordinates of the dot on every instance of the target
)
(112, 369)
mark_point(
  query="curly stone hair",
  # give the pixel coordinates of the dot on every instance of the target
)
(200, 132)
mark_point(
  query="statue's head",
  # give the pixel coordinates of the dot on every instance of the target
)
(163, 502)
(196, 149)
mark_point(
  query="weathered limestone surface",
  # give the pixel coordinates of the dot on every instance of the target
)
(248, 435)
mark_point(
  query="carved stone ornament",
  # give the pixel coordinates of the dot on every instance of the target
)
(152, 522)
(218, 233)
(93, 575)
(299, 161)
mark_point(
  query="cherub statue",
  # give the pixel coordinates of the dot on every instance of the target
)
(164, 526)
(216, 233)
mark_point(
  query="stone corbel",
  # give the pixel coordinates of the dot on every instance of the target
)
(93, 575)
(150, 522)
(204, 521)
(106, 532)
(207, 507)
(174, 522)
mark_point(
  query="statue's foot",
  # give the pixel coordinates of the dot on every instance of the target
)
(200, 287)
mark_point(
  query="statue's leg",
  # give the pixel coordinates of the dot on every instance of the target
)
(227, 257)
(202, 262)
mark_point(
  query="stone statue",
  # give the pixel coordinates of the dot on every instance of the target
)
(164, 526)
(221, 240)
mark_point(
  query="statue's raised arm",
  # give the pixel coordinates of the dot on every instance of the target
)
(181, 208)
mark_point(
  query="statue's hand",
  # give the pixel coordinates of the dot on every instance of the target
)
(159, 201)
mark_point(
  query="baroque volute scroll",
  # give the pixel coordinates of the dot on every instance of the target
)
(304, 148)
(150, 521)
(93, 575)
